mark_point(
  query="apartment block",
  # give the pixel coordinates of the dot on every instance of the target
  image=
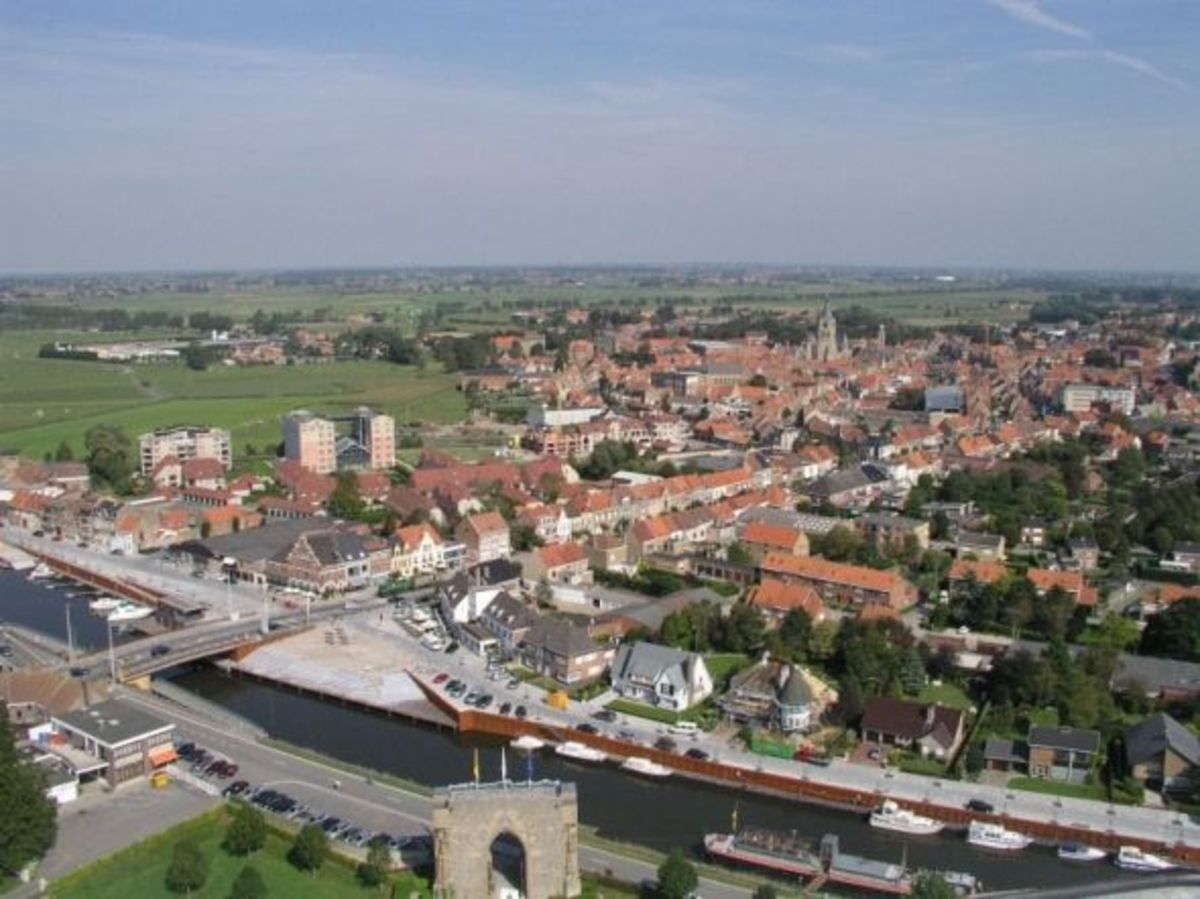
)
(311, 441)
(185, 444)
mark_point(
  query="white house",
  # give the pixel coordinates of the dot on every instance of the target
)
(661, 676)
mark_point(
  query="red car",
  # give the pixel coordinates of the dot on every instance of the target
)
(441, 678)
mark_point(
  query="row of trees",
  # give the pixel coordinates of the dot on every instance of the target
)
(28, 819)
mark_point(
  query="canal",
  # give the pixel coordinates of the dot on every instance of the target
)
(42, 606)
(659, 814)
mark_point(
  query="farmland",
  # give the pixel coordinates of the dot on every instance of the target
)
(46, 401)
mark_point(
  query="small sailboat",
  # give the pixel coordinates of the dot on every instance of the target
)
(129, 611)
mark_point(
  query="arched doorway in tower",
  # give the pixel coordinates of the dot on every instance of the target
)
(508, 867)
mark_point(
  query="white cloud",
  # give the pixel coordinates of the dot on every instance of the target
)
(1133, 63)
(1029, 12)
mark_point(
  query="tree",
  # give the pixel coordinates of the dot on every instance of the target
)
(346, 501)
(765, 891)
(737, 554)
(677, 877)
(110, 457)
(249, 884)
(373, 871)
(744, 629)
(931, 885)
(309, 848)
(247, 831)
(1174, 632)
(28, 819)
(188, 869)
(64, 453)
(822, 643)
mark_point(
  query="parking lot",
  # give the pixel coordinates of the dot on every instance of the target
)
(352, 831)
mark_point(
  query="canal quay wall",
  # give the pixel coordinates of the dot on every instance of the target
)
(802, 789)
(369, 672)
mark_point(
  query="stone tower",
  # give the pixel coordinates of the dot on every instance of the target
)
(827, 336)
(506, 839)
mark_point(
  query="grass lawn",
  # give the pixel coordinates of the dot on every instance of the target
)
(1054, 788)
(927, 767)
(46, 401)
(947, 694)
(140, 870)
(723, 665)
(701, 714)
(1047, 717)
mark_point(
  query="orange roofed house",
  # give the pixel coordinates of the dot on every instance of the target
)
(762, 537)
(558, 563)
(840, 583)
(775, 598)
(486, 537)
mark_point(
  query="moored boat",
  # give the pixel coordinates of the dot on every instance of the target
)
(527, 743)
(891, 816)
(104, 604)
(1080, 852)
(637, 765)
(129, 611)
(1131, 858)
(579, 752)
(992, 836)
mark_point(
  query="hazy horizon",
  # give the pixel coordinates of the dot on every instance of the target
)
(1030, 135)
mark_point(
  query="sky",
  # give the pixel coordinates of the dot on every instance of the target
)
(1038, 134)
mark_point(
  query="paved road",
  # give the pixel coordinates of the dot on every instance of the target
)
(378, 806)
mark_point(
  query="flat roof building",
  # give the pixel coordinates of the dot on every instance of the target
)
(124, 741)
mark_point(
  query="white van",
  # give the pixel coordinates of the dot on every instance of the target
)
(685, 728)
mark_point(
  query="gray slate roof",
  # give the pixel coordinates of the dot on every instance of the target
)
(1150, 737)
(1075, 739)
(644, 663)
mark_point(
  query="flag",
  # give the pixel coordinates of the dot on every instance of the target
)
(475, 766)
(503, 766)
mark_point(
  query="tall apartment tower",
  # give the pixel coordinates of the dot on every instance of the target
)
(311, 441)
(185, 444)
(376, 433)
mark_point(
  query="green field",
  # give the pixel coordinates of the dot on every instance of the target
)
(946, 694)
(140, 870)
(46, 401)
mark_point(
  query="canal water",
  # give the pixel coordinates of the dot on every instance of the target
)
(41, 606)
(660, 814)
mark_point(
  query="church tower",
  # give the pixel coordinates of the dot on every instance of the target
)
(827, 342)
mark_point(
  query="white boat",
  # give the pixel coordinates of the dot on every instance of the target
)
(129, 611)
(39, 571)
(1080, 852)
(104, 604)
(578, 751)
(890, 816)
(527, 743)
(993, 836)
(638, 765)
(1133, 859)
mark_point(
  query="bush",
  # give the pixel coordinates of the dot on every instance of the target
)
(309, 848)
(188, 869)
(373, 871)
(677, 877)
(249, 884)
(247, 831)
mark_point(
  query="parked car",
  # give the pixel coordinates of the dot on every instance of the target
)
(697, 753)
(666, 744)
(505, 708)
(441, 678)
(484, 701)
(158, 650)
(237, 788)
(520, 711)
(514, 683)
(587, 728)
(980, 805)
(605, 715)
